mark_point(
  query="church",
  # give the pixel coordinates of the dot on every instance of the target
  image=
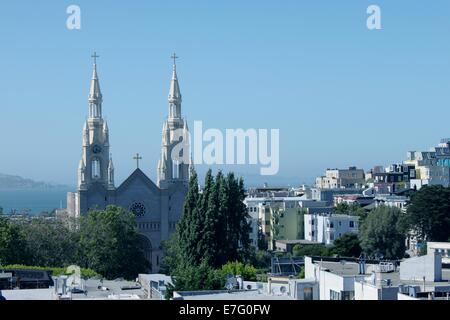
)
(157, 206)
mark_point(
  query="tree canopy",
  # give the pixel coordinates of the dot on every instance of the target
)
(213, 230)
(214, 227)
(428, 214)
(110, 244)
(346, 246)
(106, 241)
(382, 234)
(12, 243)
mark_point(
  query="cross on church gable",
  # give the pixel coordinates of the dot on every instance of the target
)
(137, 157)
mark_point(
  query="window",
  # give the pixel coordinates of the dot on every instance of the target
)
(334, 295)
(347, 295)
(352, 224)
(307, 293)
(95, 169)
(138, 209)
(331, 225)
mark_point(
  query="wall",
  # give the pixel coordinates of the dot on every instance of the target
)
(428, 266)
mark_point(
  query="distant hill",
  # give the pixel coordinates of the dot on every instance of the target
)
(17, 182)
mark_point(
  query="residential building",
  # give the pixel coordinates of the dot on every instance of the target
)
(325, 228)
(341, 178)
(349, 199)
(443, 248)
(328, 195)
(336, 278)
(431, 167)
(276, 288)
(393, 201)
(392, 179)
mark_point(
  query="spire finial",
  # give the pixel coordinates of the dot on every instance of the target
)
(174, 57)
(95, 56)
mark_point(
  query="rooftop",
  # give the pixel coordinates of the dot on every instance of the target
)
(230, 295)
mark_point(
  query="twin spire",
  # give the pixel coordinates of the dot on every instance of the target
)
(96, 136)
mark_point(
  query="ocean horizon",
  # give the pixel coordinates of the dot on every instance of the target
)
(33, 201)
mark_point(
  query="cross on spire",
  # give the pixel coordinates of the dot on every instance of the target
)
(137, 158)
(174, 57)
(95, 56)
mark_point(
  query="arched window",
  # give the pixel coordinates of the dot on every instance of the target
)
(176, 170)
(95, 169)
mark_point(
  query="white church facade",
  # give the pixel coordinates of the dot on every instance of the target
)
(157, 206)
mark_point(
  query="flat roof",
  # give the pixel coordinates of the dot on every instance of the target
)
(299, 241)
(232, 295)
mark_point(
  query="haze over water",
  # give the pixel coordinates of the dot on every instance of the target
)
(35, 200)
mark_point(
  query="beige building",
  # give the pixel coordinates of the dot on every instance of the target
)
(341, 178)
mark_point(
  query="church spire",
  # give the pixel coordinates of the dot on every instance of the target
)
(174, 92)
(172, 169)
(96, 164)
(95, 94)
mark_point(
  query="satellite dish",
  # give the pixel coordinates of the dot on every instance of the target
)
(283, 289)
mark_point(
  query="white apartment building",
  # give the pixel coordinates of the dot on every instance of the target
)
(440, 247)
(325, 228)
(393, 201)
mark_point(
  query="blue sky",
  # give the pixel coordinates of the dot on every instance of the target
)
(340, 94)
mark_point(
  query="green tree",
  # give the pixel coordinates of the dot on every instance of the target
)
(301, 274)
(189, 227)
(261, 259)
(111, 245)
(342, 208)
(301, 250)
(13, 248)
(212, 231)
(191, 278)
(236, 268)
(428, 214)
(347, 246)
(353, 209)
(382, 233)
(50, 243)
(208, 206)
(172, 255)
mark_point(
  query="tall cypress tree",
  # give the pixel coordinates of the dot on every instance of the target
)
(205, 246)
(222, 220)
(188, 230)
(214, 228)
(244, 222)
